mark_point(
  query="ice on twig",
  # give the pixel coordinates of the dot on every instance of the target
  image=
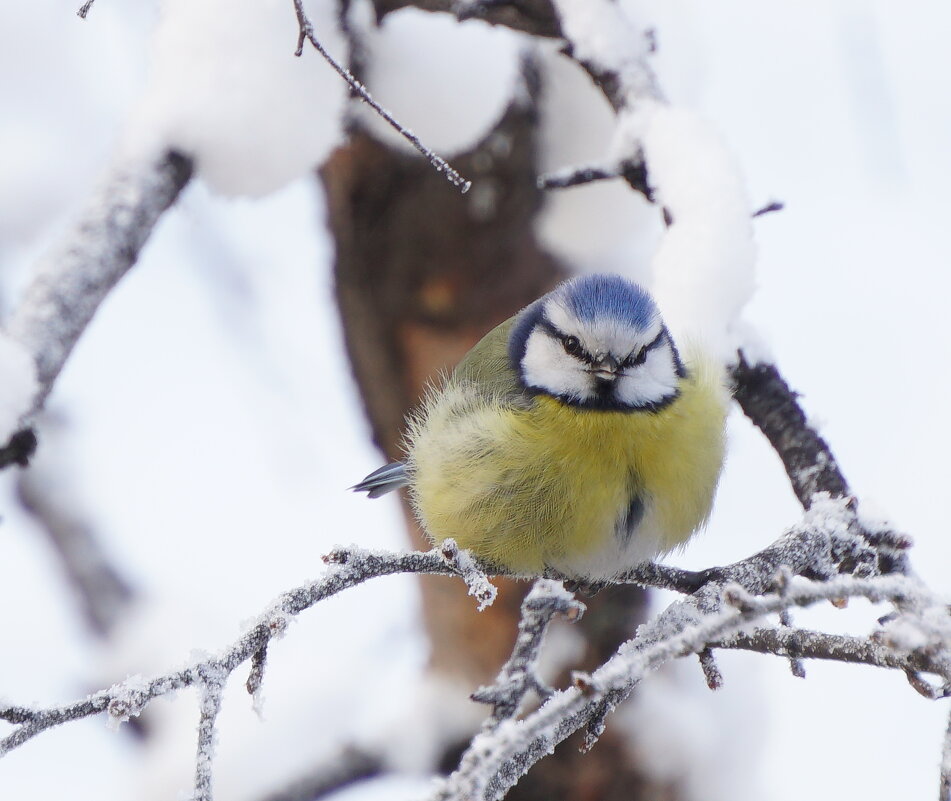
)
(469, 571)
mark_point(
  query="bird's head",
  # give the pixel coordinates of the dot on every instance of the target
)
(597, 341)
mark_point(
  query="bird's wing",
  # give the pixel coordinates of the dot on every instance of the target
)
(488, 366)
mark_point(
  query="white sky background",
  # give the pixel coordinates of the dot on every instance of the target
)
(213, 425)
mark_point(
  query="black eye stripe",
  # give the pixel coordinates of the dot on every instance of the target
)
(577, 351)
(634, 358)
(656, 340)
(640, 356)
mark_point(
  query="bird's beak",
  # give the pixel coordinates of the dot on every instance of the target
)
(604, 367)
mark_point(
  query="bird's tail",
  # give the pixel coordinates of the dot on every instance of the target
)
(384, 480)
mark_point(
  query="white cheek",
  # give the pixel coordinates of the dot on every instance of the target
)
(651, 382)
(546, 366)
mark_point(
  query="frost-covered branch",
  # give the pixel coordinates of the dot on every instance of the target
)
(78, 273)
(518, 676)
(497, 757)
(209, 702)
(807, 644)
(728, 611)
(306, 33)
(349, 567)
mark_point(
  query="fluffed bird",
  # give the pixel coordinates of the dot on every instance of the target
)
(573, 438)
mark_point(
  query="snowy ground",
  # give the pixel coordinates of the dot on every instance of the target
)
(212, 425)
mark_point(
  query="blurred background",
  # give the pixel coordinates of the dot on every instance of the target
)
(200, 441)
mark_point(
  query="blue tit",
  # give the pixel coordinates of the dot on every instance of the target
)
(573, 437)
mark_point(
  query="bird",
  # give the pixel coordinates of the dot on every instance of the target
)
(572, 440)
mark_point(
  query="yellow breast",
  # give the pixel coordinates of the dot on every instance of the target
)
(546, 485)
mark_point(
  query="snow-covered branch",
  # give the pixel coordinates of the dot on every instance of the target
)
(78, 273)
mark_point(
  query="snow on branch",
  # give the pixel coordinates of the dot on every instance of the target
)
(703, 268)
(77, 274)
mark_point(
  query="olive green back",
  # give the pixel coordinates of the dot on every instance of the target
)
(487, 365)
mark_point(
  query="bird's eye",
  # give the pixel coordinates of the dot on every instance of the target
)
(572, 345)
(635, 358)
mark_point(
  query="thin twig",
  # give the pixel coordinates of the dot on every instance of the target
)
(796, 666)
(563, 179)
(210, 703)
(769, 208)
(711, 671)
(256, 674)
(306, 32)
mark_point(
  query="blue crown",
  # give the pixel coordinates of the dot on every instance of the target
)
(592, 297)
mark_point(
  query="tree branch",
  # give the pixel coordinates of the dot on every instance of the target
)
(306, 32)
(19, 449)
(342, 768)
(718, 615)
(773, 407)
(104, 594)
(536, 17)
(75, 277)
(497, 758)
(349, 567)
(806, 644)
(518, 676)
